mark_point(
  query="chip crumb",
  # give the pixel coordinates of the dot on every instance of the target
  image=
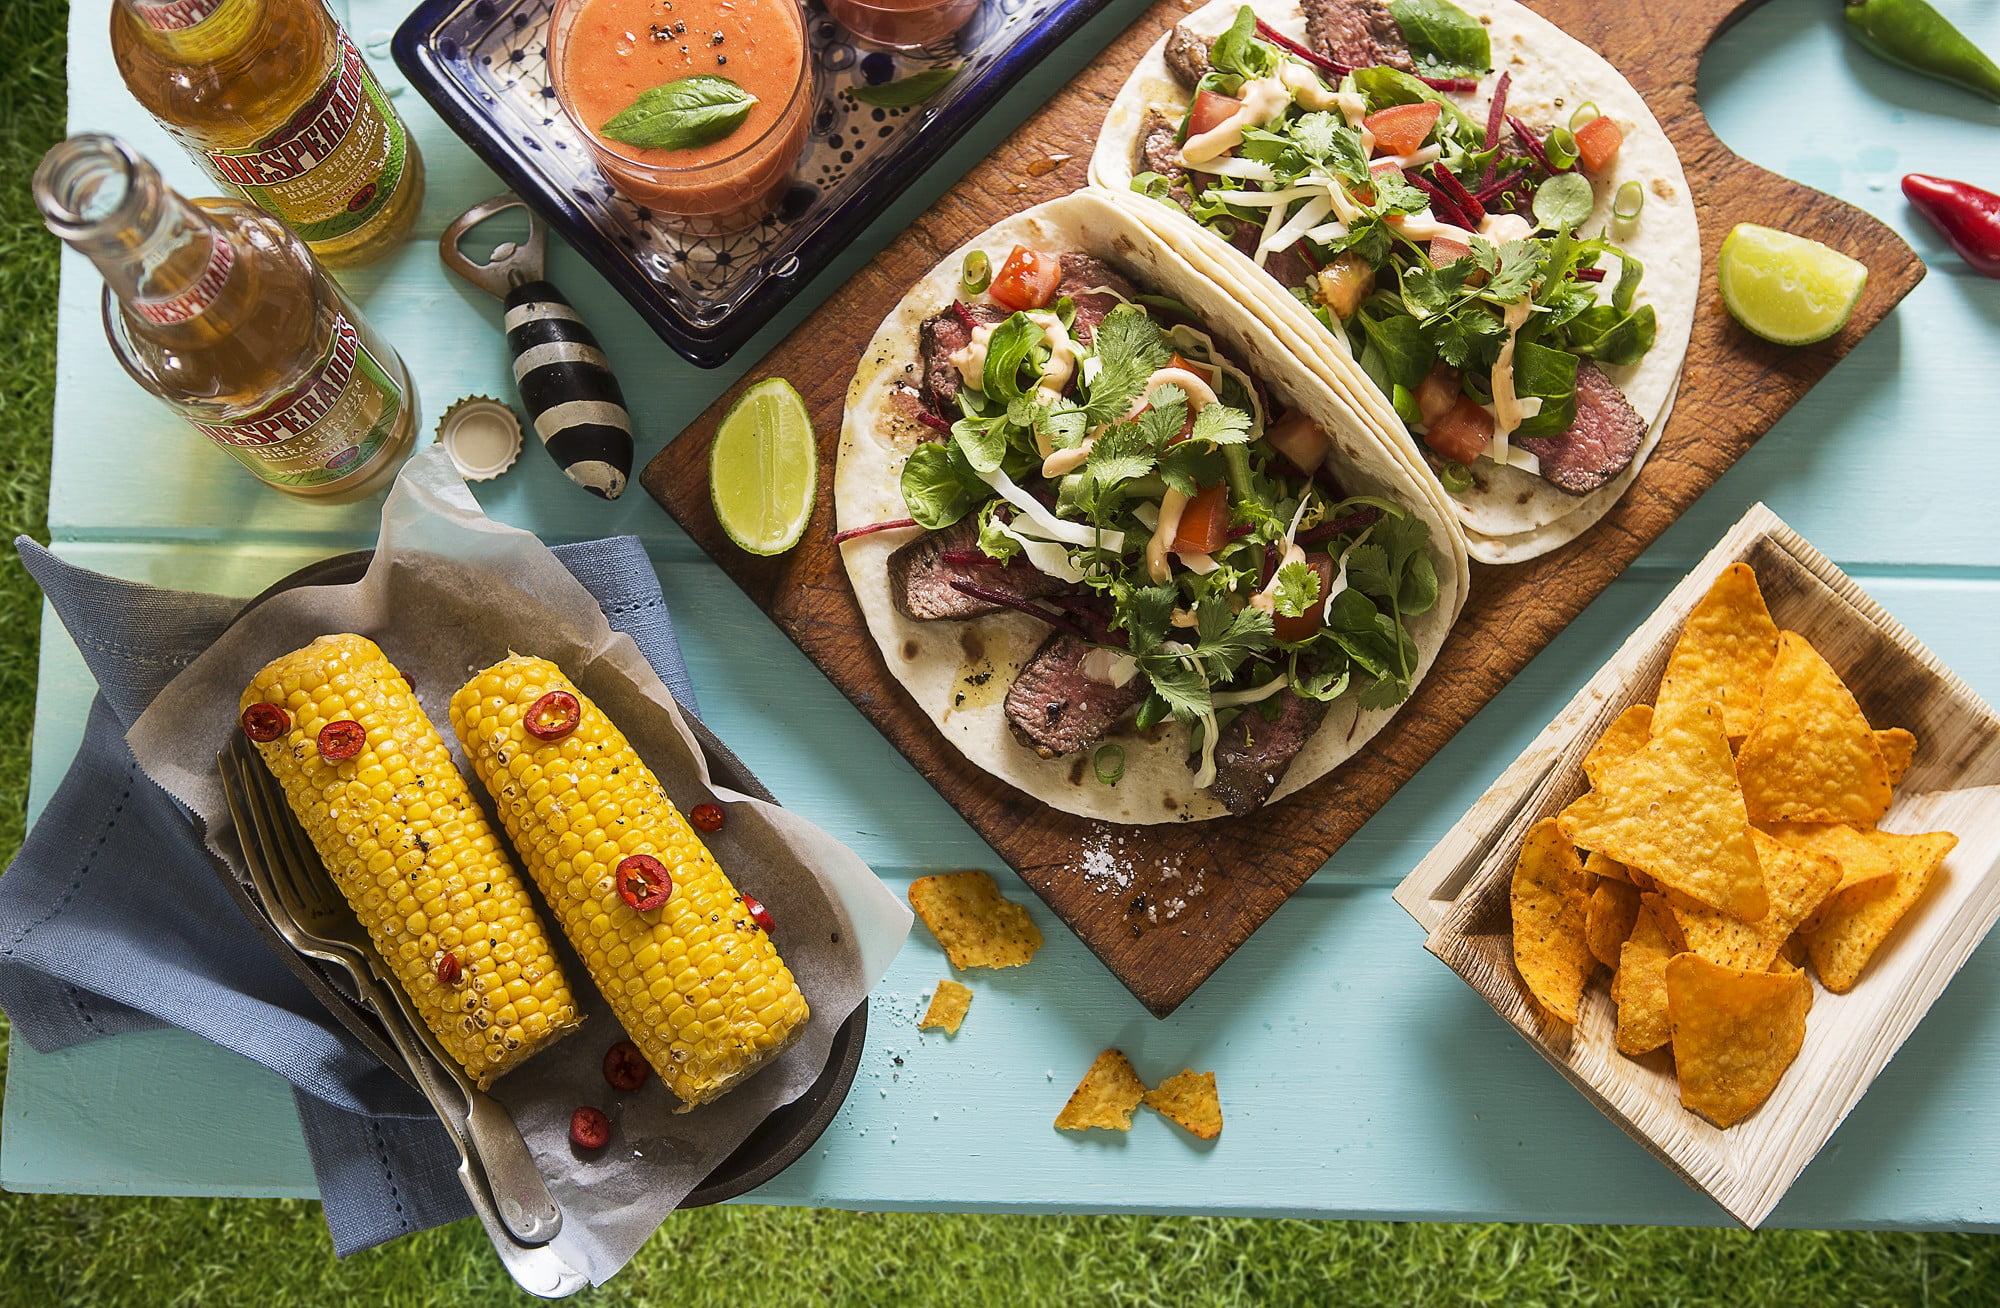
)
(976, 925)
(1188, 1100)
(1106, 1096)
(949, 1003)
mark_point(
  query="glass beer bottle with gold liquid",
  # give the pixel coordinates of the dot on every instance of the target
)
(272, 98)
(220, 310)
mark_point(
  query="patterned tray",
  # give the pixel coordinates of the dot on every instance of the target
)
(482, 64)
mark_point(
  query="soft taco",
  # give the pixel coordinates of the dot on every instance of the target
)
(1472, 222)
(1127, 552)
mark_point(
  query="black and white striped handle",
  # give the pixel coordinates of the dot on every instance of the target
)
(570, 393)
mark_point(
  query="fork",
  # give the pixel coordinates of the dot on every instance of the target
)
(308, 912)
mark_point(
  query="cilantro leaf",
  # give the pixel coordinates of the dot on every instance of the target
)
(1228, 637)
(1130, 347)
(1298, 589)
(1123, 453)
(1145, 615)
(1219, 424)
(1183, 688)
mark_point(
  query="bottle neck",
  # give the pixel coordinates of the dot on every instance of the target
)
(194, 31)
(165, 259)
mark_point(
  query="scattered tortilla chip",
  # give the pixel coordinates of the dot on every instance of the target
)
(1550, 898)
(1614, 907)
(1105, 1097)
(1188, 1100)
(1640, 987)
(974, 923)
(1600, 865)
(1857, 922)
(1811, 757)
(1626, 736)
(1663, 914)
(1865, 868)
(1899, 749)
(1797, 880)
(1724, 654)
(1735, 1032)
(949, 1003)
(1675, 812)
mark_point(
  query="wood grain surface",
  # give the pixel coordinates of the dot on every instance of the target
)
(1130, 892)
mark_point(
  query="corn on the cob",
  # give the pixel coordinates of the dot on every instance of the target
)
(699, 988)
(409, 848)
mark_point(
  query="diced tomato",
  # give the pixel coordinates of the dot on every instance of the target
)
(1301, 440)
(1303, 626)
(1447, 250)
(1205, 371)
(1366, 194)
(1027, 280)
(1437, 393)
(1401, 128)
(1597, 144)
(1210, 112)
(1462, 434)
(1205, 522)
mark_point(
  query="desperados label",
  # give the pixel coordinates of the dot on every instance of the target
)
(197, 29)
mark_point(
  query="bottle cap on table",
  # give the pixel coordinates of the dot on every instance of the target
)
(482, 437)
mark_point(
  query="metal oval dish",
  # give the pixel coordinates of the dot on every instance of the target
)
(779, 1140)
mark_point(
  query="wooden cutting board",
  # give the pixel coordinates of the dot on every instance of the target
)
(1163, 906)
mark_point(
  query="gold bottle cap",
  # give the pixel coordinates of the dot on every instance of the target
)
(481, 436)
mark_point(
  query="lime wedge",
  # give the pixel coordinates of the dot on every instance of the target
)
(763, 468)
(1786, 288)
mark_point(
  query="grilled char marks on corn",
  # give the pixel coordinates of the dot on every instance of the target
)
(1251, 754)
(1055, 709)
(1187, 55)
(1599, 444)
(920, 578)
(1358, 33)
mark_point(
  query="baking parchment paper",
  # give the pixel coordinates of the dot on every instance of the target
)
(448, 593)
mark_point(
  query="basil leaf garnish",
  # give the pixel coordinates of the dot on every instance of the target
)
(682, 115)
(901, 94)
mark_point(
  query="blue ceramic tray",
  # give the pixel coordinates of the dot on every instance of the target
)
(481, 64)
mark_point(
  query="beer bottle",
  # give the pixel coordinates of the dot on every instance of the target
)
(272, 98)
(221, 311)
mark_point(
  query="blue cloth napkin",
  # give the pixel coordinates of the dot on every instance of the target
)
(82, 957)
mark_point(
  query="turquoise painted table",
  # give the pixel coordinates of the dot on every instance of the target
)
(1359, 1077)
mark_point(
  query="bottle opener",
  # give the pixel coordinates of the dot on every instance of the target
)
(564, 379)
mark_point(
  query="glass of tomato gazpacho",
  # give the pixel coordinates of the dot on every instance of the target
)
(902, 24)
(696, 109)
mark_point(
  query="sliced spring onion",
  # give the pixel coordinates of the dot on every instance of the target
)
(1586, 113)
(1629, 202)
(1457, 478)
(977, 274)
(1560, 145)
(1109, 763)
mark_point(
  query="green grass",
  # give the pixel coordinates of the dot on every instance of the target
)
(157, 1253)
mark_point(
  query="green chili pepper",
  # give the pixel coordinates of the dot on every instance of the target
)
(977, 273)
(1917, 37)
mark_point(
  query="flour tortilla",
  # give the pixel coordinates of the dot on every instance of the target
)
(1508, 514)
(959, 672)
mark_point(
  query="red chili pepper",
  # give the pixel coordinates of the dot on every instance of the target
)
(553, 716)
(264, 722)
(589, 1129)
(341, 740)
(448, 970)
(758, 913)
(706, 817)
(1968, 217)
(625, 1067)
(643, 882)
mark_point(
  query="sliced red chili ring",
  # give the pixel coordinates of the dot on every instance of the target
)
(589, 1128)
(758, 913)
(553, 716)
(643, 882)
(449, 970)
(341, 740)
(625, 1067)
(265, 721)
(706, 817)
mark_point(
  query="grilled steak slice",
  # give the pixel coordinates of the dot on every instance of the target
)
(1081, 273)
(941, 336)
(1287, 267)
(920, 579)
(1598, 445)
(1160, 153)
(1358, 33)
(1187, 56)
(1054, 709)
(1251, 755)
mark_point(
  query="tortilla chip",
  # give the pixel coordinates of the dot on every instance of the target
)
(1105, 1097)
(1858, 921)
(1794, 951)
(1899, 749)
(1811, 757)
(1626, 736)
(1796, 879)
(1639, 987)
(1598, 865)
(1614, 907)
(1663, 915)
(976, 926)
(1735, 1033)
(949, 1003)
(1550, 898)
(1723, 655)
(1674, 812)
(1188, 1100)
(1865, 868)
